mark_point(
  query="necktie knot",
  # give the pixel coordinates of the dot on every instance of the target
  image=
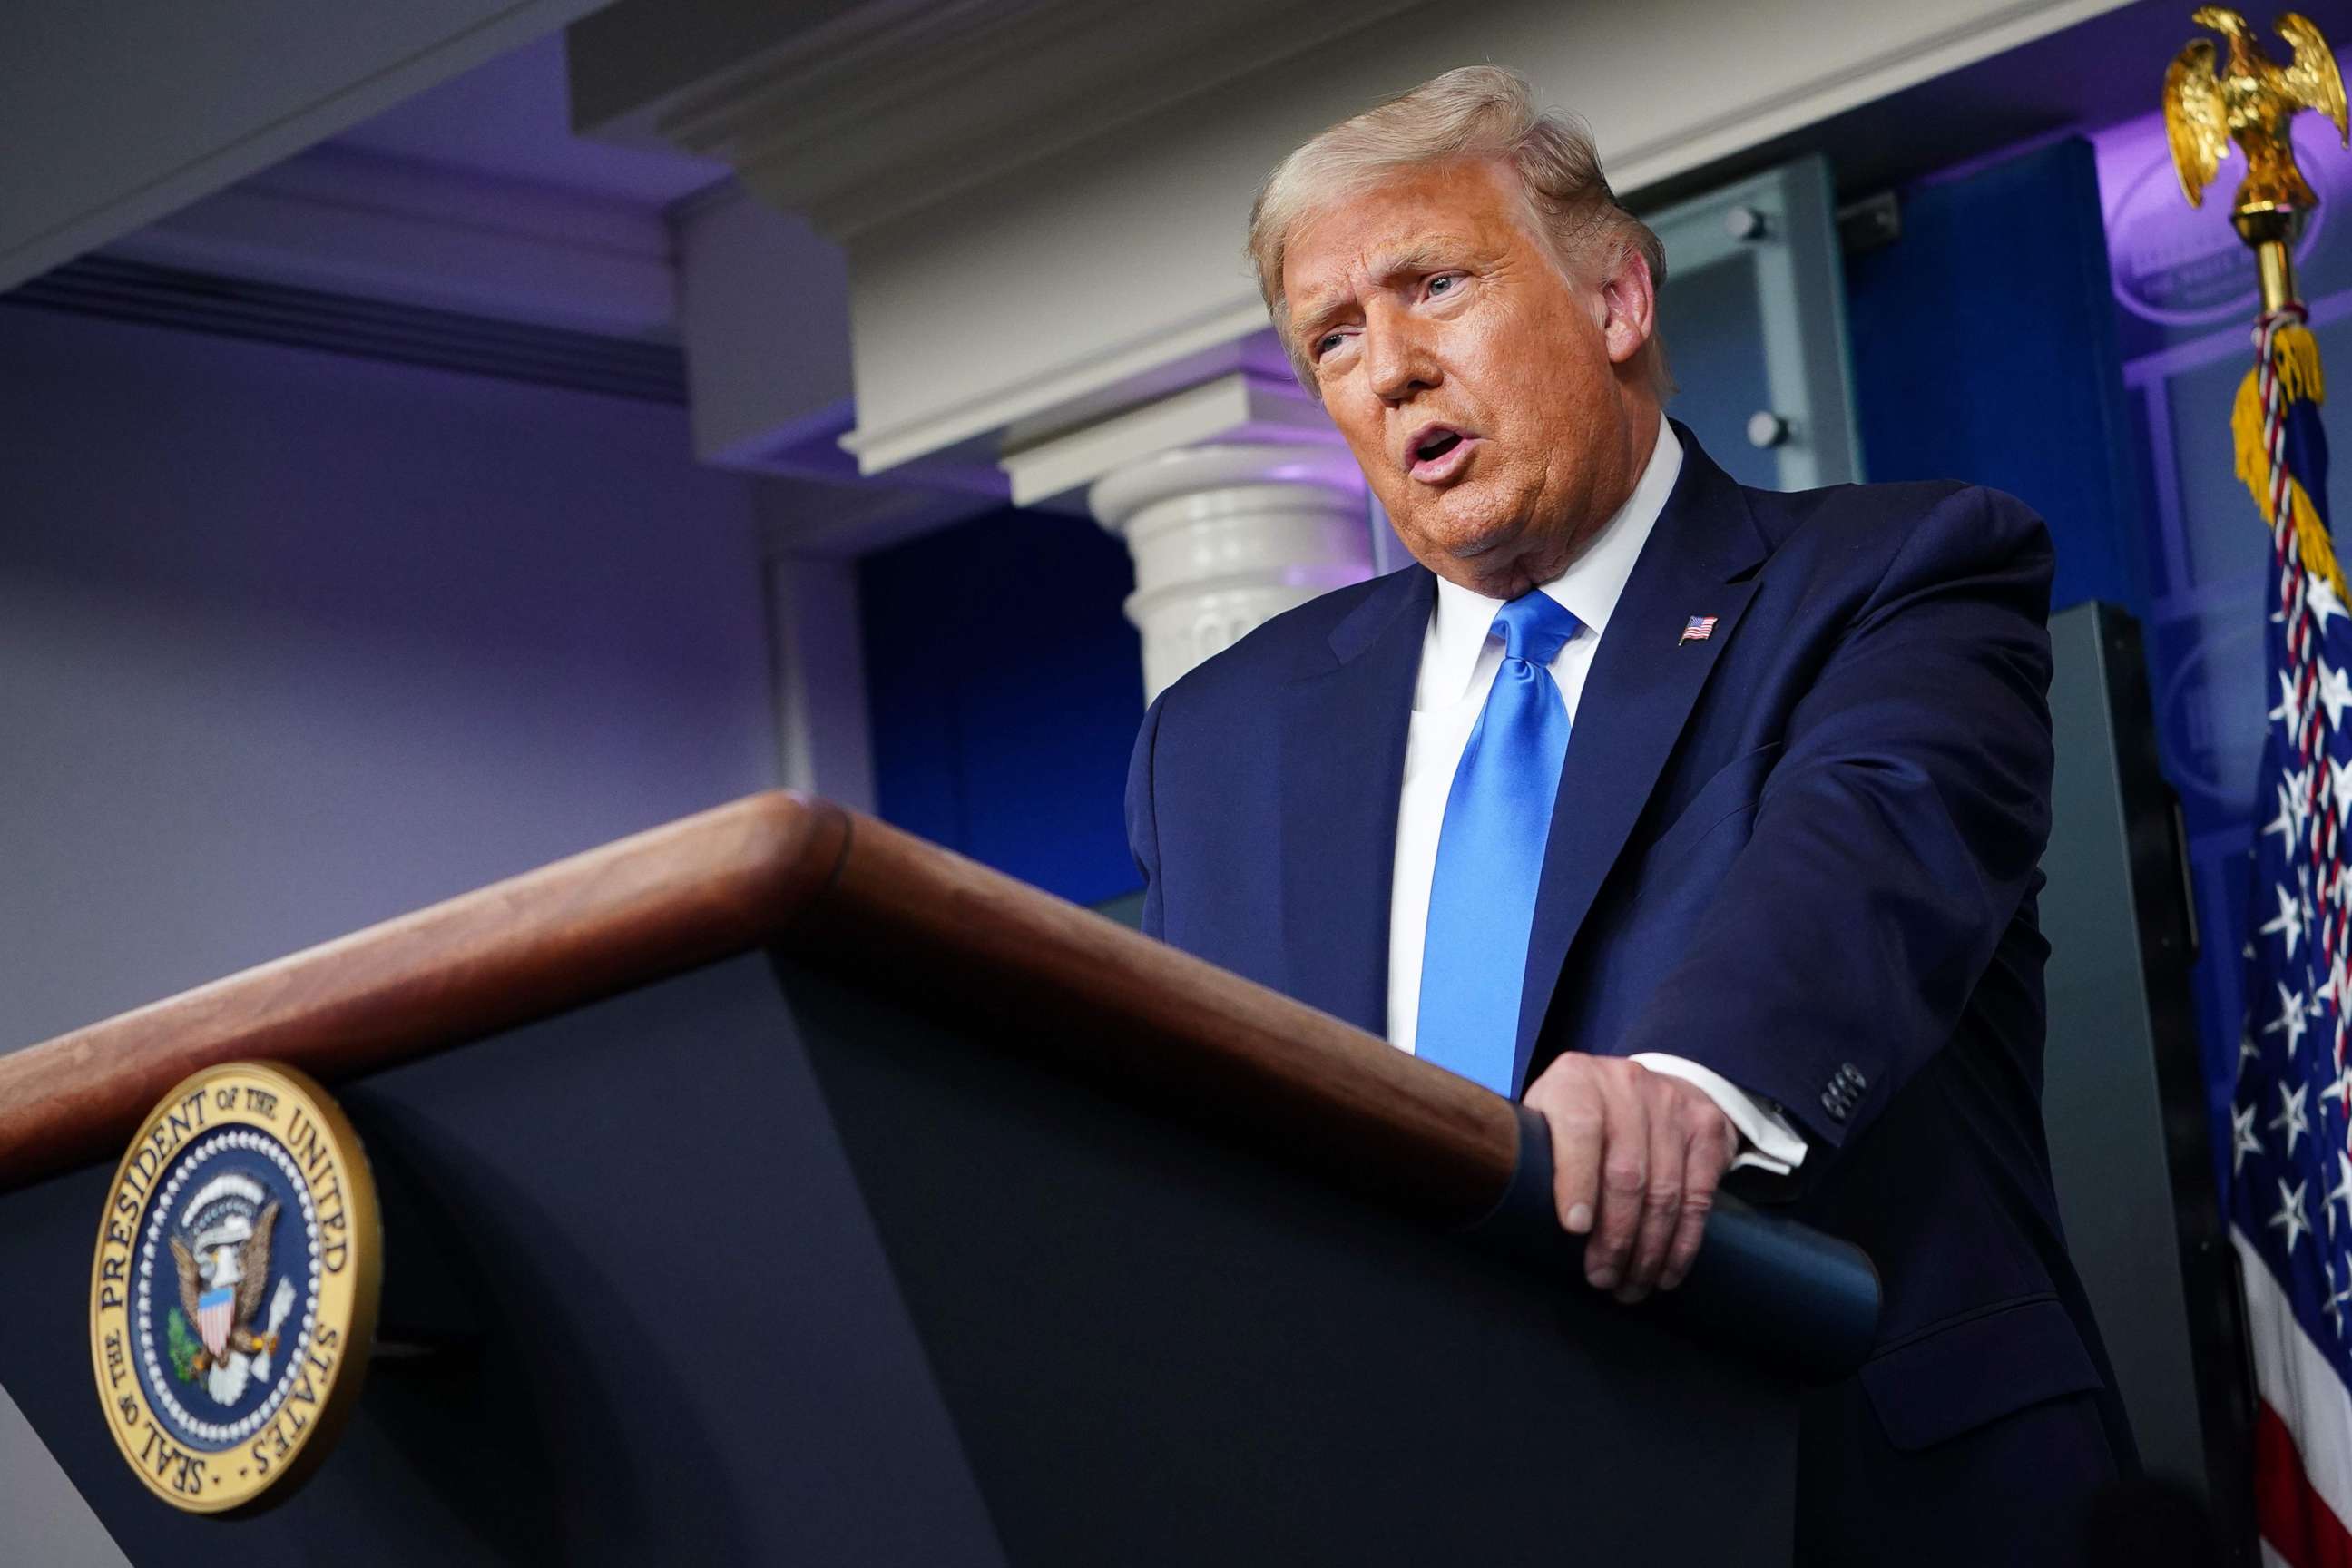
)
(1533, 626)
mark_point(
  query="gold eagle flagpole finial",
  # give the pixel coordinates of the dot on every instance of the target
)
(2253, 101)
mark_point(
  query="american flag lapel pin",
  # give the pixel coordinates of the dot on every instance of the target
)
(1698, 628)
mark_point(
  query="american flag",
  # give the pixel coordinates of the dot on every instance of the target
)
(2289, 1173)
(1698, 629)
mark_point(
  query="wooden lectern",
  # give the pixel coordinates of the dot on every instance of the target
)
(773, 1187)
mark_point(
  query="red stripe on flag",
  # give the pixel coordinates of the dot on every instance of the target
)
(2297, 1521)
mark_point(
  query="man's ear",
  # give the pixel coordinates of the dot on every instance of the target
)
(1628, 305)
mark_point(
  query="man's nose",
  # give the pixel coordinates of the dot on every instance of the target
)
(1400, 363)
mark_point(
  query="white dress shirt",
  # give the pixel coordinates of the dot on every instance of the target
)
(1458, 662)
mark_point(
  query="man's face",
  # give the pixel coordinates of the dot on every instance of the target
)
(1501, 410)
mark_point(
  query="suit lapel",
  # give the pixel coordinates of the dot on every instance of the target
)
(1643, 683)
(1343, 739)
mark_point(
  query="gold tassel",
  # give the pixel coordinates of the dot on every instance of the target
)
(2297, 353)
(2298, 365)
(2310, 534)
(2246, 432)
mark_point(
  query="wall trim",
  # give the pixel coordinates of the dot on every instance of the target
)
(119, 290)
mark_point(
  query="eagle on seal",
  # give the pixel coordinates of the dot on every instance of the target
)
(242, 1265)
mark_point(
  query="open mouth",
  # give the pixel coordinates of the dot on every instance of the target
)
(1435, 445)
(1438, 453)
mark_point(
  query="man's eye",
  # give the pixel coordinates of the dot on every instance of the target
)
(1444, 283)
(1324, 345)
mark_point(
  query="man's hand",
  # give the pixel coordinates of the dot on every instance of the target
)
(1635, 1159)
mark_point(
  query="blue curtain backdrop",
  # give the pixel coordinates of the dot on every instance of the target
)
(1984, 349)
(1004, 686)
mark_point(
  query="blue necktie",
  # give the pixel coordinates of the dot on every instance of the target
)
(1482, 899)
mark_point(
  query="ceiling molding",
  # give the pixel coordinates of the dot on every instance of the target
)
(891, 108)
(1039, 200)
(1238, 408)
(367, 225)
(1143, 368)
(886, 109)
(1745, 124)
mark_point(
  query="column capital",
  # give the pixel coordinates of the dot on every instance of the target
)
(1227, 535)
(1239, 409)
(1121, 498)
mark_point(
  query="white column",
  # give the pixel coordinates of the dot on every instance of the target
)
(822, 743)
(1227, 535)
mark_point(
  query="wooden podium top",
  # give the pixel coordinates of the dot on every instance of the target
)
(845, 893)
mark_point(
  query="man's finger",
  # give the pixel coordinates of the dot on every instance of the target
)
(1624, 1182)
(1670, 1127)
(1575, 1119)
(1710, 1155)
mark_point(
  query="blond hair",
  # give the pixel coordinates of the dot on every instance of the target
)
(1477, 112)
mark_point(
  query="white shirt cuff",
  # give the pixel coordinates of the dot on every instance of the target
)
(1767, 1140)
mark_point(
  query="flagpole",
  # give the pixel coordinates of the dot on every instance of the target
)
(2289, 1087)
(2272, 233)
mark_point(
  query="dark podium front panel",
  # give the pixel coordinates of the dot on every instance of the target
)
(749, 1267)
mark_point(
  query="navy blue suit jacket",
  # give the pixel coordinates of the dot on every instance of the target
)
(1803, 851)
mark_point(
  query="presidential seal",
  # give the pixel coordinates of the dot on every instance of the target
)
(232, 1299)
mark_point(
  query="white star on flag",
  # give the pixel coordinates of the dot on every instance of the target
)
(2289, 919)
(2290, 1216)
(2298, 800)
(2290, 1018)
(2290, 708)
(2292, 1117)
(2284, 822)
(2319, 597)
(2335, 693)
(2244, 1140)
(2341, 1192)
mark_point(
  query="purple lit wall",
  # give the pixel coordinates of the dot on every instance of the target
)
(291, 643)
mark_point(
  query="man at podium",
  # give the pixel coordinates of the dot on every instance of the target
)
(1704, 819)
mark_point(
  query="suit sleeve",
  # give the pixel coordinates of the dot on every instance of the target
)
(1893, 841)
(1142, 817)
